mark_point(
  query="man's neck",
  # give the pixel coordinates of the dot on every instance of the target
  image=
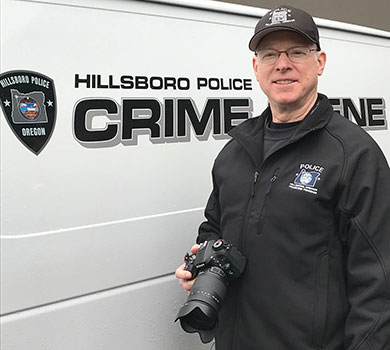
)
(291, 113)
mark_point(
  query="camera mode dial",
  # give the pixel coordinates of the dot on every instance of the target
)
(218, 244)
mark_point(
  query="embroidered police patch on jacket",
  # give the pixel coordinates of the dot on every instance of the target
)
(307, 178)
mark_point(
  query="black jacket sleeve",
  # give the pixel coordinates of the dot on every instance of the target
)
(210, 229)
(365, 206)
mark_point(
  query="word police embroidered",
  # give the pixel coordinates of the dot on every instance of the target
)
(307, 178)
(28, 102)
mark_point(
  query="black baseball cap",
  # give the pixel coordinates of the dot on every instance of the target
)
(285, 17)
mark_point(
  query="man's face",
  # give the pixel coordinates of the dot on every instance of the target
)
(285, 83)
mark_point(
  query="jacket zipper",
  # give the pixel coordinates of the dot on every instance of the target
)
(247, 211)
(263, 209)
(255, 177)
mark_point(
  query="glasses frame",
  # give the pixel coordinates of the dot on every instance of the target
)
(286, 52)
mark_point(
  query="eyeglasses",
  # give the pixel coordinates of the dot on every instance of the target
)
(295, 54)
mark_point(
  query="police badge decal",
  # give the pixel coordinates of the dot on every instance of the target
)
(28, 101)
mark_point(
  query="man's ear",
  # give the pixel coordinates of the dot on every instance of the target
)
(255, 64)
(321, 62)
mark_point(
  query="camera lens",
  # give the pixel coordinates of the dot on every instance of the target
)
(197, 319)
(217, 263)
(200, 312)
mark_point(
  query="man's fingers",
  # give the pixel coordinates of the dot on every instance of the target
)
(185, 276)
(195, 248)
(186, 284)
(182, 274)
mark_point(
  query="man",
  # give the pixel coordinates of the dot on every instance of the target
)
(304, 194)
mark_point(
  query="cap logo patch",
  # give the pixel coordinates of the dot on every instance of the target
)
(279, 16)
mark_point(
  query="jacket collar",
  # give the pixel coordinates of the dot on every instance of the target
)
(250, 133)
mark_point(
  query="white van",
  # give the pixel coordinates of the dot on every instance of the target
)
(112, 114)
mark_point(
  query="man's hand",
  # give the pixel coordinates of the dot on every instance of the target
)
(184, 276)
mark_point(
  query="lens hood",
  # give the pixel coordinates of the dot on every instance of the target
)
(197, 316)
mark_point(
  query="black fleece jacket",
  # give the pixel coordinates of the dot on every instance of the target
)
(313, 220)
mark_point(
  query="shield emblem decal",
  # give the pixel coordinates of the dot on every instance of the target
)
(28, 101)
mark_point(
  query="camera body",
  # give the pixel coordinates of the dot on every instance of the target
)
(217, 253)
(215, 265)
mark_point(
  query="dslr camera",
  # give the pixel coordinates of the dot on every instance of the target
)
(215, 265)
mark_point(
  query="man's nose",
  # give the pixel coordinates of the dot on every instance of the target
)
(283, 63)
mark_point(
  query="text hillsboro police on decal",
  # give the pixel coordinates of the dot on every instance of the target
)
(166, 121)
(29, 105)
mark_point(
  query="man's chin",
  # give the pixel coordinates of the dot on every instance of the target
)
(290, 102)
(286, 101)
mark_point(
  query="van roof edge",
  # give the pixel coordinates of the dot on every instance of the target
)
(251, 11)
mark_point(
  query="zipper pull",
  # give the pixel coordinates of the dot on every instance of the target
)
(255, 177)
(271, 181)
(273, 178)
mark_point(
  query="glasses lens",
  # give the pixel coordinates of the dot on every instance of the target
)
(295, 54)
(268, 56)
(298, 54)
